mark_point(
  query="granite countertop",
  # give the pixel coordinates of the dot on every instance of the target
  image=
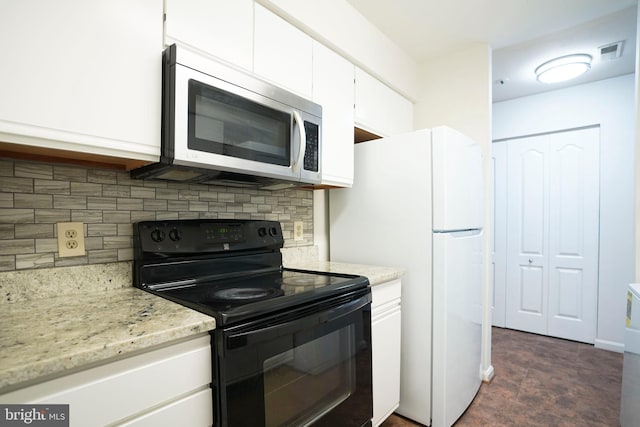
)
(67, 319)
(59, 331)
(375, 274)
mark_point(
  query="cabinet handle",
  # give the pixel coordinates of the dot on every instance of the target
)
(530, 261)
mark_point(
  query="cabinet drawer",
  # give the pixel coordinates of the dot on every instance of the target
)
(386, 293)
(121, 389)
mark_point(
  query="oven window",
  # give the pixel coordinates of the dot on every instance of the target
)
(304, 383)
(224, 123)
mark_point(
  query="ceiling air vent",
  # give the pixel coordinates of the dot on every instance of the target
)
(611, 51)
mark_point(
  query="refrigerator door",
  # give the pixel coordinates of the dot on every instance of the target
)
(630, 401)
(457, 181)
(457, 322)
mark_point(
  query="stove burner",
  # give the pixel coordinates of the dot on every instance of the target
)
(306, 280)
(245, 294)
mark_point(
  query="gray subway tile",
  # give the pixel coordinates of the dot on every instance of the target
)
(7, 263)
(33, 231)
(102, 176)
(125, 204)
(139, 192)
(86, 189)
(7, 231)
(16, 185)
(69, 173)
(17, 246)
(116, 217)
(34, 261)
(102, 229)
(102, 203)
(15, 216)
(52, 216)
(87, 216)
(6, 200)
(47, 186)
(103, 256)
(49, 245)
(24, 200)
(69, 202)
(33, 170)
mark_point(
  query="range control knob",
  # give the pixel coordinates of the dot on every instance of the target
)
(262, 231)
(175, 234)
(157, 235)
(273, 232)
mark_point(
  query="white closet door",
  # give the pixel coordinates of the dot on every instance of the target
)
(527, 230)
(573, 237)
(552, 227)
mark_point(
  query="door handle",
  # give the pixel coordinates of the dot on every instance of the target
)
(297, 166)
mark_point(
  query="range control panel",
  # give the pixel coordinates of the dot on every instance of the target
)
(205, 236)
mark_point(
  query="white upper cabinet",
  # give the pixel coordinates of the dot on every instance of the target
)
(333, 89)
(282, 53)
(82, 76)
(221, 28)
(379, 109)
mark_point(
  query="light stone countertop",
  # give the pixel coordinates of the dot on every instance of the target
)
(58, 321)
(375, 274)
(59, 331)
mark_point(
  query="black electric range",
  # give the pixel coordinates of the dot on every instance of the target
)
(229, 269)
(290, 347)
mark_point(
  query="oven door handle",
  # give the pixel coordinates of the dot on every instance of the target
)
(292, 324)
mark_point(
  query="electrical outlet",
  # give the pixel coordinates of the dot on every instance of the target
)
(298, 230)
(70, 239)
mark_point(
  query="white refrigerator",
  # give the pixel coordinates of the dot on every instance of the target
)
(417, 203)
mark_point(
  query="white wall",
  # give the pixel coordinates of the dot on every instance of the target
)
(455, 90)
(609, 103)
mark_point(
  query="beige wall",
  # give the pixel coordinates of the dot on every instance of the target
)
(456, 91)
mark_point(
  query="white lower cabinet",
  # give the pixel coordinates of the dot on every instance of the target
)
(168, 386)
(385, 336)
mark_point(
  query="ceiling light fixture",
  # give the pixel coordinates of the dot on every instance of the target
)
(564, 68)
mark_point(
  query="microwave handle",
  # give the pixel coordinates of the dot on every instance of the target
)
(297, 165)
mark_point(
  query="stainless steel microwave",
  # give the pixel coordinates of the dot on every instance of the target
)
(224, 126)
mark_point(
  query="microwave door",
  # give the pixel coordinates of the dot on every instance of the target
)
(208, 133)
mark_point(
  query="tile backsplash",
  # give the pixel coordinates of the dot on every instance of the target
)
(35, 196)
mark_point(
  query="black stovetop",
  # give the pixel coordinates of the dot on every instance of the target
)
(229, 269)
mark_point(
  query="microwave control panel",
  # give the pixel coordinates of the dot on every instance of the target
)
(311, 153)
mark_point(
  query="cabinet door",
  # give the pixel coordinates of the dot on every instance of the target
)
(82, 76)
(379, 109)
(282, 53)
(220, 28)
(385, 337)
(333, 89)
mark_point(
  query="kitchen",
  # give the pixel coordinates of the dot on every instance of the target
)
(65, 188)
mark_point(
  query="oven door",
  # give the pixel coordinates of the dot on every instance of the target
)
(312, 366)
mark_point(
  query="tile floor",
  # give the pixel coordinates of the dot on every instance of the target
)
(543, 381)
